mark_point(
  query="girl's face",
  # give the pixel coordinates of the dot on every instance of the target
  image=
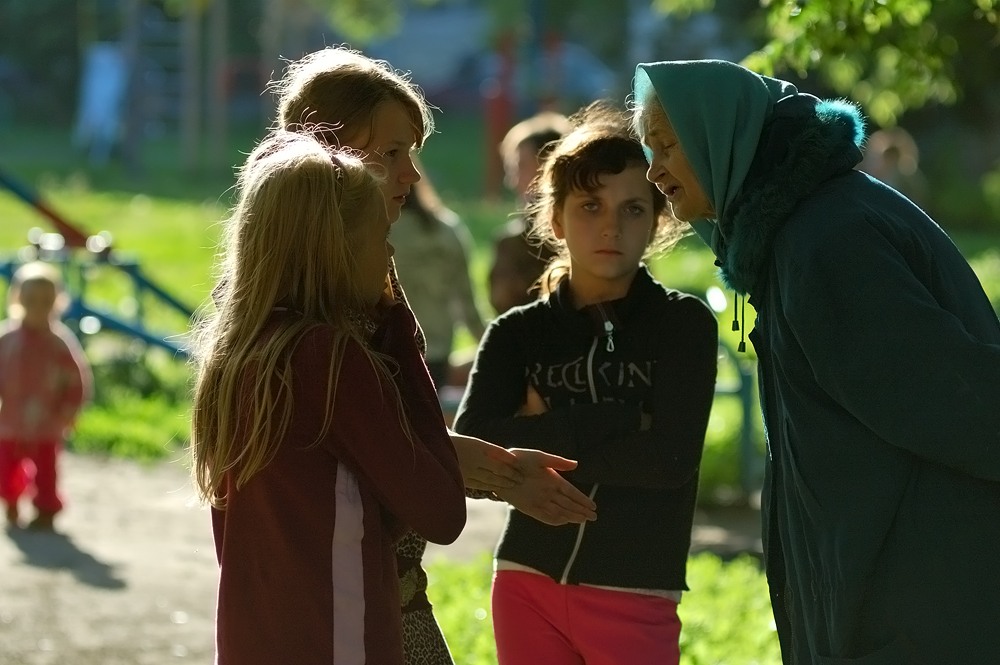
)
(606, 232)
(374, 252)
(392, 140)
(38, 300)
(670, 170)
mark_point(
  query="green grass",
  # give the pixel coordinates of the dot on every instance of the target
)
(726, 616)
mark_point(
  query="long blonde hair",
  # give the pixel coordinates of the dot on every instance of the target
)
(286, 244)
(339, 89)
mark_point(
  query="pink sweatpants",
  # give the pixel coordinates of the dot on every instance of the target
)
(536, 620)
(23, 465)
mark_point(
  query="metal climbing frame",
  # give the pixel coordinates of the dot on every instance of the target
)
(78, 254)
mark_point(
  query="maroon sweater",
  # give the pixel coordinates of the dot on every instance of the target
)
(307, 565)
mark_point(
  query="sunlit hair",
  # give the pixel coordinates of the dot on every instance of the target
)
(539, 131)
(339, 89)
(647, 115)
(599, 144)
(288, 244)
(35, 274)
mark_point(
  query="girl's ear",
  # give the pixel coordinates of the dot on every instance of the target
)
(557, 227)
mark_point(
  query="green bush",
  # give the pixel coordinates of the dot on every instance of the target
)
(727, 614)
(140, 409)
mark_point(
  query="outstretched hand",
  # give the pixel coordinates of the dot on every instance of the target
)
(544, 494)
(486, 466)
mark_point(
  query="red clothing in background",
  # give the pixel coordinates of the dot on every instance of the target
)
(44, 379)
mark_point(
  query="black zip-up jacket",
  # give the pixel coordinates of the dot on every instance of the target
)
(598, 369)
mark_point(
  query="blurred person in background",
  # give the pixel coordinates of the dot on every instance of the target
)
(44, 380)
(892, 156)
(432, 259)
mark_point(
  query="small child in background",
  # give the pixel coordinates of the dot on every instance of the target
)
(317, 435)
(612, 369)
(44, 380)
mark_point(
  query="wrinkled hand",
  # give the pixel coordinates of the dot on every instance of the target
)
(486, 466)
(544, 494)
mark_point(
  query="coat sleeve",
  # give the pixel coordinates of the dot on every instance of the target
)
(883, 348)
(77, 385)
(413, 471)
(667, 454)
(497, 388)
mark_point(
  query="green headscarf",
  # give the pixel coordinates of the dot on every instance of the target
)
(717, 108)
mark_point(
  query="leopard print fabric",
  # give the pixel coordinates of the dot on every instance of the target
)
(423, 643)
(397, 290)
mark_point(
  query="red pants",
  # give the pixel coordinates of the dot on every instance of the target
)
(23, 465)
(536, 620)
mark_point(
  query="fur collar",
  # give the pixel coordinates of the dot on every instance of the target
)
(805, 142)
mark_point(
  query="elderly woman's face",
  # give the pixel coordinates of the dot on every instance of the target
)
(670, 170)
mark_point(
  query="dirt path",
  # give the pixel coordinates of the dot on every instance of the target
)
(129, 579)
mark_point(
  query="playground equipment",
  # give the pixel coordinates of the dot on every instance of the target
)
(78, 255)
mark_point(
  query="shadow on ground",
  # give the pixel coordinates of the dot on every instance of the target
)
(54, 550)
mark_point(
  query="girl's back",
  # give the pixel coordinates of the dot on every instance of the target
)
(317, 437)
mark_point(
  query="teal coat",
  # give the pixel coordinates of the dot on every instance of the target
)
(879, 376)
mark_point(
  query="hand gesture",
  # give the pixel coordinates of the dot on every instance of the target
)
(486, 466)
(544, 494)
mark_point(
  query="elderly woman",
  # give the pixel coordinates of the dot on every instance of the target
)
(879, 362)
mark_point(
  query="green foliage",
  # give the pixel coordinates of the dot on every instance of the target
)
(991, 190)
(683, 8)
(141, 409)
(890, 55)
(362, 21)
(460, 594)
(987, 267)
(726, 616)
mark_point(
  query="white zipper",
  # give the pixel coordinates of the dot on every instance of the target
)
(593, 490)
(609, 330)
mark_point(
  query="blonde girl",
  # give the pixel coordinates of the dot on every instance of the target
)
(317, 436)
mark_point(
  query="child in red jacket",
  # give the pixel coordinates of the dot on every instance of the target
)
(44, 380)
